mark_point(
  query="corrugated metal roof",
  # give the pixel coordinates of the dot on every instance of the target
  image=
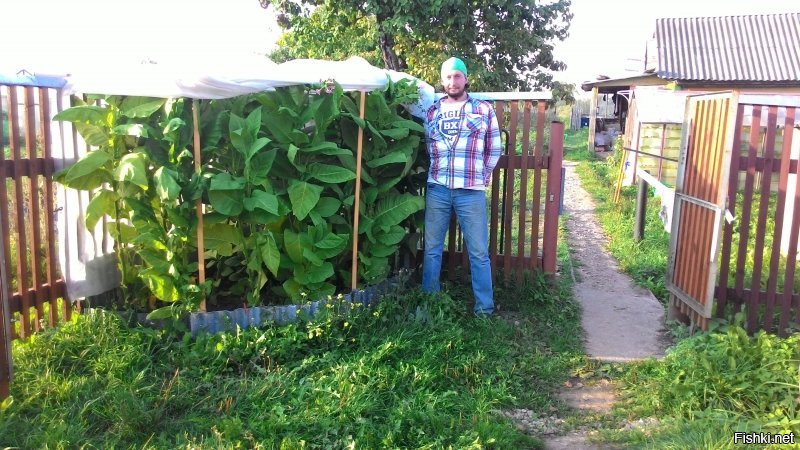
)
(730, 48)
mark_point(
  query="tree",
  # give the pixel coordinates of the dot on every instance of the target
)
(506, 44)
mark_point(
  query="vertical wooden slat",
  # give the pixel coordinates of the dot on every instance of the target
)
(661, 150)
(727, 236)
(686, 245)
(33, 204)
(508, 202)
(22, 242)
(783, 181)
(198, 206)
(695, 215)
(744, 236)
(5, 291)
(761, 227)
(494, 207)
(50, 238)
(357, 201)
(538, 152)
(4, 202)
(523, 193)
(553, 198)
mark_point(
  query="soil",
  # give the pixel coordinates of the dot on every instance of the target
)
(621, 322)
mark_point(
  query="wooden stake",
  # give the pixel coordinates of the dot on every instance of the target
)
(201, 260)
(357, 201)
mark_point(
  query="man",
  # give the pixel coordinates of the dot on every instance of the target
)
(463, 140)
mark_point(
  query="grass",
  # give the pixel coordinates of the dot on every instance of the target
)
(709, 385)
(415, 372)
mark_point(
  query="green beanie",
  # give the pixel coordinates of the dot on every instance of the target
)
(454, 64)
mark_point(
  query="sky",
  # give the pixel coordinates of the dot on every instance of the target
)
(606, 37)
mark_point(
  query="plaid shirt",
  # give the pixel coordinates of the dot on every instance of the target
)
(468, 161)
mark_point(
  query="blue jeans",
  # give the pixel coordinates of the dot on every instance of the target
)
(470, 208)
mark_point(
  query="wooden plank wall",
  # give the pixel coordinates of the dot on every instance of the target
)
(524, 197)
(771, 297)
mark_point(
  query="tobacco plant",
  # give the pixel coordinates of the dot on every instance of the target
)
(277, 183)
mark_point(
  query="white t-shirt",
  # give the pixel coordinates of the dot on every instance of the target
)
(450, 118)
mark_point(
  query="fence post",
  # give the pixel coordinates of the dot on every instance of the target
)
(553, 199)
(641, 210)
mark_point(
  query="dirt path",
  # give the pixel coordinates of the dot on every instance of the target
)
(621, 321)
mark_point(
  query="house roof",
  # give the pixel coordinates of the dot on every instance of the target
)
(758, 48)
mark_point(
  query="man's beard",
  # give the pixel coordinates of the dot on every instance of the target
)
(457, 94)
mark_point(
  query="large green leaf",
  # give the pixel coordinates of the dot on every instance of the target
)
(94, 135)
(395, 133)
(327, 206)
(304, 197)
(262, 200)
(226, 194)
(102, 203)
(393, 210)
(91, 114)
(132, 129)
(228, 202)
(410, 124)
(330, 174)
(312, 257)
(270, 254)
(318, 274)
(161, 286)
(167, 186)
(294, 244)
(141, 106)
(92, 167)
(331, 245)
(237, 129)
(222, 238)
(395, 234)
(391, 158)
(133, 168)
(381, 250)
(261, 164)
(165, 312)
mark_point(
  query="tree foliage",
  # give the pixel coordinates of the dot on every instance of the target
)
(506, 44)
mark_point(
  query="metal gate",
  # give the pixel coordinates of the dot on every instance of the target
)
(700, 203)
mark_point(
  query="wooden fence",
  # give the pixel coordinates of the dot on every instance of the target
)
(736, 220)
(525, 196)
(31, 285)
(755, 246)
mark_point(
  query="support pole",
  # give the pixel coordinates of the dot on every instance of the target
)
(553, 200)
(357, 201)
(593, 118)
(641, 210)
(201, 258)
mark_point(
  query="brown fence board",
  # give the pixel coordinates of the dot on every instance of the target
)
(4, 213)
(49, 203)
(523, 188)
(553, 201)
(783, 181)
(34, 206)
(747, 199)
(763, 209)
(19, 219)
(755, 139)
(538, 157)
(508, 197)
(727, 234)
